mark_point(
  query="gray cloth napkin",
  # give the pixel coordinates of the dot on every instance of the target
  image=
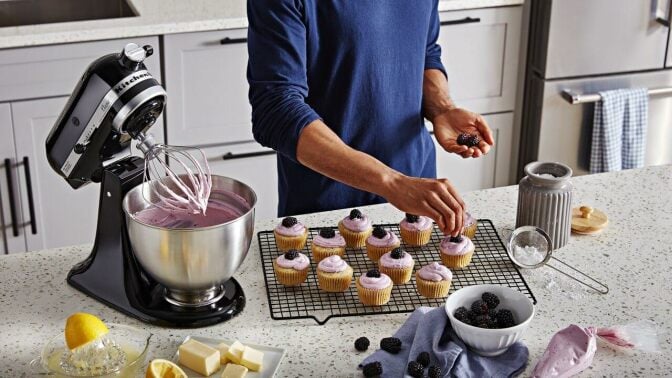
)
(429, 330)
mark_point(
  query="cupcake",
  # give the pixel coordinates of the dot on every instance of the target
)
(416, 230)
(334, 274)
(380, 242)
(291, 268)
(290, 234)
(355, 228)
(456, 251)
(374, 288)
(327, 243)
(398, 265)
(433, 280)
(470, 225)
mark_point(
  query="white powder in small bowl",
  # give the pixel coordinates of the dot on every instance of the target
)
(528, 255)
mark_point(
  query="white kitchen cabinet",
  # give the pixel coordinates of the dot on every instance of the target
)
(253, 165)
(207, 88)
(487, 171)
(480, 50)
(11, 233)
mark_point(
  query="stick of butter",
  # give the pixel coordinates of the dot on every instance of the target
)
(199, 357)
(223, 348)
(234, 371)
(235, 352)
(252, 359)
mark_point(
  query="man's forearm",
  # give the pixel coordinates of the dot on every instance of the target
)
(435, 95)
(321, 150)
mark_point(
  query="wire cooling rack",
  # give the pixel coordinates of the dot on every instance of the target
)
(490, 265)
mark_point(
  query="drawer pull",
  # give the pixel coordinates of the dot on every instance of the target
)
(232, 156)
(12, 200)
(229, 41)
(466, 20)
(31, 202)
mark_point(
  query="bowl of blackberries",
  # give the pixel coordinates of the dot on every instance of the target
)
(489, 318)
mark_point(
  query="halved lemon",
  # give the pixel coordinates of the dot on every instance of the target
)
(164, 369)
(82, 328)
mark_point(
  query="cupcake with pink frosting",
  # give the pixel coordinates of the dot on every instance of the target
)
(291, 268)
(334, 274)
(355, 228)
(470, 225)
(374, 288)
(416, 230)
(456, 251)
(380, 242)
(433, 280)
(328, 242)
(398, 265)
(290, 234)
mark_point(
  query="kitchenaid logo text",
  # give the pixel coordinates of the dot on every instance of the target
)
(131, 81)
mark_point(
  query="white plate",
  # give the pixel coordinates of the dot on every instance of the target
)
(272, 358)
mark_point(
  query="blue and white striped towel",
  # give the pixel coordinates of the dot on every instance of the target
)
(619, 130)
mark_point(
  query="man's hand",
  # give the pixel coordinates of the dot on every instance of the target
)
(434, 198)
(455, 121)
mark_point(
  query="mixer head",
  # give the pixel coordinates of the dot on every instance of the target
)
(116, 100)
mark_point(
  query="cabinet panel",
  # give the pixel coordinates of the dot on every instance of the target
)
(253, 165)
(207, 88)
(9, 200)
(485, 172)
(480, 52)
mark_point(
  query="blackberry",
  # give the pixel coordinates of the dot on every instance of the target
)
(423, 359)
(373, 369)
(411, 218)
(397, 253)
(291, 254)
(434, 372)
(327, 233)
(505, 319)
(355, 213)
(415, 369)
(462, 314)
(379, 232)
(463, 139)
(473, 141)
(456, 239)
(390, 345)
(491, 300)
(373, 273)
(362, 344)
(289, 222)
(479, 307)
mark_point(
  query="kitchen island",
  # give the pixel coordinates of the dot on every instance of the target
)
(633, 256)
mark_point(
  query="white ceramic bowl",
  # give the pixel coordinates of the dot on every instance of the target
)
(491, 342)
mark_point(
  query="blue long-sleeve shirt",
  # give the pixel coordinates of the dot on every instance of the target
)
(356, 64)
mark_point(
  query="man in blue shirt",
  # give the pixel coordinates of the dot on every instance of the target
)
(340, 88)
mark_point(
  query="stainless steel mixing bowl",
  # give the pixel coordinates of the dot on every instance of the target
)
(192, 263)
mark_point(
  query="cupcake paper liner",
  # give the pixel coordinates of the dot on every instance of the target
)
(354, 239)
(399, 276)
(470, 231)
(289, 276)
(375, 253)
(320, 253)
(334, 282)
(432, 289)
(416, 238)
(372, 297)
(285, 243)
(456, 261)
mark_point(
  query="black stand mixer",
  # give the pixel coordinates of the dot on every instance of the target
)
(116, 101)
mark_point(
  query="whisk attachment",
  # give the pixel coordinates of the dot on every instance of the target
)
(179, 178)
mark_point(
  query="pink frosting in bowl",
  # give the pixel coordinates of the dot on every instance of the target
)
(375, 283)
(388, 261)
(388, 240)
(435, 272)
(332, 264)
(456, 248)
(336, 242)
(357, 224)
(301, 262)
(423, 223)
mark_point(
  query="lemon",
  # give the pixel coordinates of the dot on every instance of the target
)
(82, 328)
(164, 369)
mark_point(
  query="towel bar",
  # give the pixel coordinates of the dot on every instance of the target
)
(576, 98)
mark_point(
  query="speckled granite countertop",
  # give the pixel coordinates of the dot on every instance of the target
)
(633, 256)
(159, 17)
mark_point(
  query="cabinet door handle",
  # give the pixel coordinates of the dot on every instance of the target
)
(29, 189)
(229, 41)
(12, 200)
(663, 15)
(232, 156)
(466, 20)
